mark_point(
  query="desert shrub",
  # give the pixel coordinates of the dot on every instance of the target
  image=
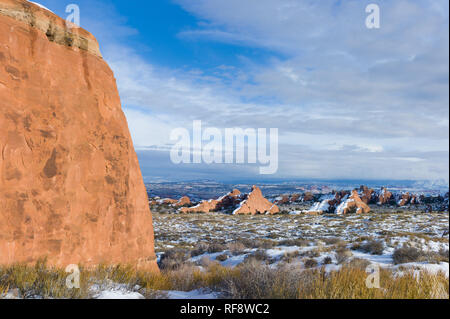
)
(250, 280)
(294, 242)
(327, 260)
(256, 281)
(185, 278)
(358, 263)
(290, 256)
(273, 235)
(444, 254)
(173, 259)
(236, 248)
(374, 247)
(264, 244)
(222, 257)
(260, 255)
(38, 281)
(310, 263)
(350, 283)
(343, 255)
(257, 243)
(248, 243)
(314, 253)
(216, 248)
(199, 250)
(406, 255)
(331, 240)
(206, 262)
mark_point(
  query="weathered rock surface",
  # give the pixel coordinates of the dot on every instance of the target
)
(71, 188)
(404, 199)
(385, 197)
(353, 204)
(256, 204)
(307, 197)
(205, 206)
(227, 201)
(183, 201)
(367, 194)
(326, 206)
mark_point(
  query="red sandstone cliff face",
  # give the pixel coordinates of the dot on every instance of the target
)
(71, 188)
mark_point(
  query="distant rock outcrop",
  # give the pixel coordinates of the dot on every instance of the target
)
(168, 201)
(282, 200)
(183, 201)
(367, 195)
(256, 204)
(205, 206)
(71, 189)
(406, 199)
(324, 207)
(385, 197)
(227, 201)
(353, 204)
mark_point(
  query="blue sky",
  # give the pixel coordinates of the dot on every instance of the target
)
(349, 102)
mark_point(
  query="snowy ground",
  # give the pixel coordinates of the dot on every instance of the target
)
(298, 238)
(289, 240)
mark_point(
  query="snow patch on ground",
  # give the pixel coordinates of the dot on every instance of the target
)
(111, 290)
(430, 268)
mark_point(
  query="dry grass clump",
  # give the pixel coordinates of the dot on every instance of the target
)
(249, 280)
(310, 263)
(256, 243)
(259, 256)
(236, 248)
(288, 257)
(407, 254)
(255, 281)
(39, 281)
(358, 263)
(174, 258)
(374, 247)
(350, 283)
(215, 248)
(211, 248)
(342, 255)
(222, 257)
(332, 240)
(294, 242)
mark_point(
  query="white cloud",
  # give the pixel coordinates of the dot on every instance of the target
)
(349, 102)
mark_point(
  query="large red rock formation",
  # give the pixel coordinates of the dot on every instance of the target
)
(256, 204)
(367, 194)
(385, 197)
(324, 207)
(353, 203)
(284, 199)
(168, 201)
(71, 188)
(183, 201)
(227, 201)
(404, 199)
(205, 206)
(307, 197)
